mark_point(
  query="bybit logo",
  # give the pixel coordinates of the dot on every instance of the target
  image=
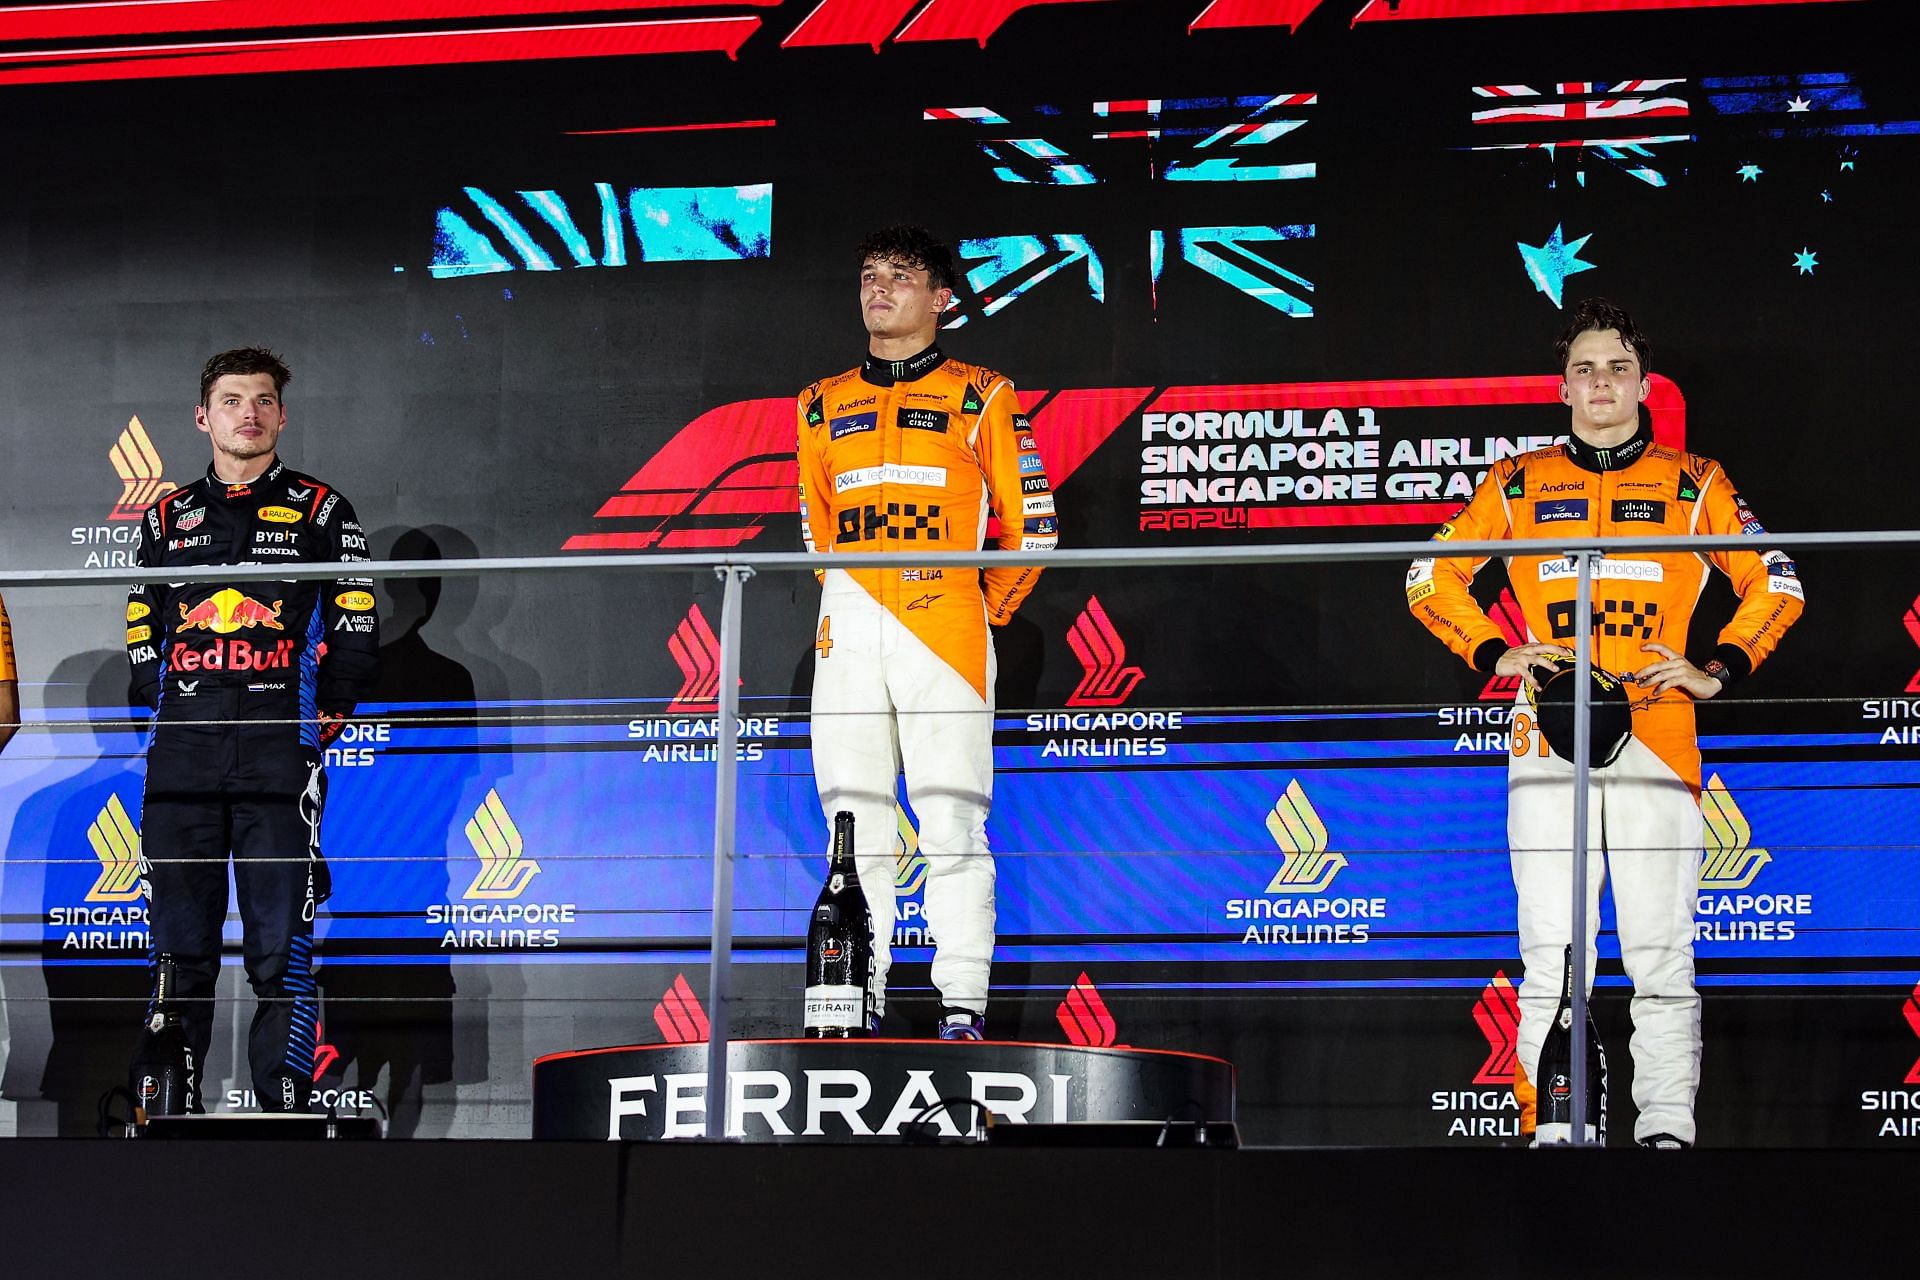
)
(117, 844)
(1084, 1016)
(505, 870)
(1732, 913)
(1102, 653)
(1309, 867)
(137, 463)
(1295, 894)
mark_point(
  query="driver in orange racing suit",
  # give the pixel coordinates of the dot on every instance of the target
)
(1610, 480)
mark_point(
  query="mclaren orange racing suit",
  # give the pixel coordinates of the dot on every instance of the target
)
(1645, 810)
(6, 645)
(913, 455)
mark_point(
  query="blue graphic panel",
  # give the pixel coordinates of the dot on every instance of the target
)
(666, 224)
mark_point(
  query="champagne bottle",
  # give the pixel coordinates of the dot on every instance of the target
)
(164, 1079)
(1555, 1082)
(840, 947)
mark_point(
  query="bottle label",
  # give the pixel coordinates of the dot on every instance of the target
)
(836, 1007)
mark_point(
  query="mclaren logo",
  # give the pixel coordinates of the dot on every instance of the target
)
(137, 463)
(117, 845)
(505, 870)
(1731, 862)
(1309, 867)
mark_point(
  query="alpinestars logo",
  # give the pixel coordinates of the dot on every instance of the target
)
(1498, 1016)
(1913, 629)
(1102, 653)
(696, 650)
(1084, 1016)
(1309, 867)
(1729, 910)
(505, 870)
(679, 1016)
(138, 464)
(1513, 629)
(117, 844)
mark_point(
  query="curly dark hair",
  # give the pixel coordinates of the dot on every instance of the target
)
(245, 360)
(1598, 313)
(911, 246)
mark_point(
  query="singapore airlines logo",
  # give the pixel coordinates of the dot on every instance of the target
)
(696, 651)
(1498, 1015)
(117, 845)
(1309, 866)
(1731, 861)
(504, 871)
(138, 464)
(909, 864)
(1912, 1011)
(1102, 653)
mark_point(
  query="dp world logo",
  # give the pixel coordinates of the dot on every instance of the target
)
(1309, 867)
(117, 844)
(1107, 681)
(1731, 862)
(505, 871)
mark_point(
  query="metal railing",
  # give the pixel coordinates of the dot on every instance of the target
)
(734, 571)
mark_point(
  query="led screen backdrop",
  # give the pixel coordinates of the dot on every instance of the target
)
(549, 276)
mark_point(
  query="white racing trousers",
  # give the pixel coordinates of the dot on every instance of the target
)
(883, 699)
(1644, 826)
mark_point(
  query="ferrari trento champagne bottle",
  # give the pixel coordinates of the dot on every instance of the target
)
(1556, 1074)
(163, 1078)
(839, 946)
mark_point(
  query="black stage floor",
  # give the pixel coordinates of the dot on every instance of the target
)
(540, 1209)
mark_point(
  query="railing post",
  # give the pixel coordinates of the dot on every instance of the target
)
(1582, 769)
(726, 786)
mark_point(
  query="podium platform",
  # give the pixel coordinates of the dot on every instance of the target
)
(838, 1091)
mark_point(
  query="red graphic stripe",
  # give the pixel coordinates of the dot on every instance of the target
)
(1506, 615)
(967, 19)
(1354, 514)
(1376, 11)
(1253, 13)
(176, 17)
(400, 49)
(710, 445)
(1074, 423)
(673, 128)
(867, 22)
(679, 1016)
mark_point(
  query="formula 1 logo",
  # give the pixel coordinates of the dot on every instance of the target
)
(137, 463)
(679, 1016)
(696, 651)
(1101, 652)
(1731, 862)
(117, 844)
(1913, 629)
(1297, 829)
(1505, 613)
(1084, 1016)
(1498, 1016)
(505, 871)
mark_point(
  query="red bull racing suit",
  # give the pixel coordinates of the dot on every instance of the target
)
(901, 456)
(239, 674)
(1645, 808)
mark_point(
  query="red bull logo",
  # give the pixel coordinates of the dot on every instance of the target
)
(232, 655)
(227, 611)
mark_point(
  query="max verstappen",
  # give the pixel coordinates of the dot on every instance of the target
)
(914, 451)
(1611, 480)
(250, 681)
